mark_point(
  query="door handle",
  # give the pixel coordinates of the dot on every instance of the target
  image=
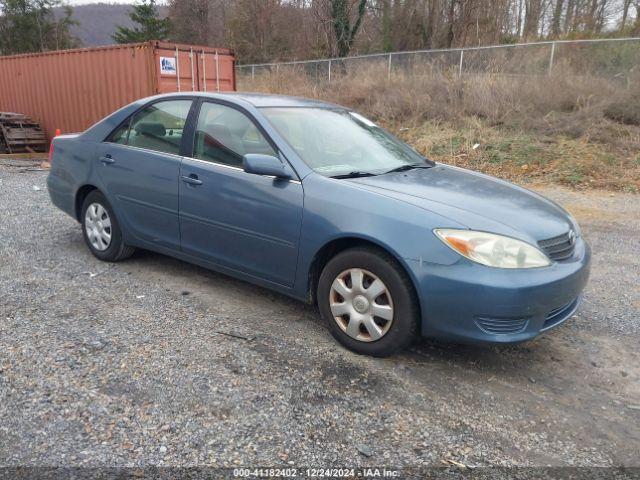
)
(191, 180)
(107, 160)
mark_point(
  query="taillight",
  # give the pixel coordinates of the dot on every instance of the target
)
(51, 144)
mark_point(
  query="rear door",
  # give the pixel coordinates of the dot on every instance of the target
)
(246, 222)
(139, 166)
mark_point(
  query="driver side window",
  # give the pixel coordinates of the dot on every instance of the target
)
(225, 135)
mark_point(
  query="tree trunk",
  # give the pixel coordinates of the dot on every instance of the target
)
(591, 16)
(532, 19)
(519, 19)
(569, 16)
(344, 32)
(625, 13)
(387, 43)
(450, 33)
(433, 21)
(555, 22)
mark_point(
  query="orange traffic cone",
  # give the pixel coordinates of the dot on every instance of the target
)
(47, 163)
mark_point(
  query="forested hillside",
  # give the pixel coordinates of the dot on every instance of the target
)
(266, 30)
(98, 21)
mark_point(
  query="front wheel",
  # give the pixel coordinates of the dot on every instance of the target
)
(368, 302)
(101, 230)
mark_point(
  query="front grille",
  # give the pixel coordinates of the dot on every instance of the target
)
(502, 326)
(560, 247)
(558, 315)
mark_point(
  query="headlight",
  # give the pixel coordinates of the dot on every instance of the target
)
(493, 250)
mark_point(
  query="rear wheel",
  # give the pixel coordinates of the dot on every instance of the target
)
(368, 302)
(101, 229)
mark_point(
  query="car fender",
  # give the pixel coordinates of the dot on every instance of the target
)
(335, 209)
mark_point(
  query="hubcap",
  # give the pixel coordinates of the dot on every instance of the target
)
(97, 224)
(361, 305)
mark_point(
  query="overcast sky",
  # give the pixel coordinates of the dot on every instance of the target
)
(83, 2)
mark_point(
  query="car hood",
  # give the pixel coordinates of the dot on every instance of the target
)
(478, 201)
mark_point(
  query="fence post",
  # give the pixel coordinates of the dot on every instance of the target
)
(253, 72)
(460, 66)
(329, 72)
(389, 68)
(553, 53)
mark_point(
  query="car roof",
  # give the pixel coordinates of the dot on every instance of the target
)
(262, 99)
(268, 100)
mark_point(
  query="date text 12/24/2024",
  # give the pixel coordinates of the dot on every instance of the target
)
(316, 472)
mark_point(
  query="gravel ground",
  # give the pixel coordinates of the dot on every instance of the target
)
(153, 361)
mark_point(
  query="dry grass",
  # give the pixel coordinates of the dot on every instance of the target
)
(573, 130)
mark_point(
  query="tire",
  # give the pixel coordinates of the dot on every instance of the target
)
(386, 336)
(103, 225)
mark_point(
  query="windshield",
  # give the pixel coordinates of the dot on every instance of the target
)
(339, 142)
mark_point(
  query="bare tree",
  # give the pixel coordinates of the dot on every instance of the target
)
(533, 9)
(625, 13)
(264, 30)
(555, 22)
(344, 28)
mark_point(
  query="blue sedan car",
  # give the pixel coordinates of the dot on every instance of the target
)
(315, 201)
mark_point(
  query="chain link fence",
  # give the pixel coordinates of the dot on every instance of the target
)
(617, 58)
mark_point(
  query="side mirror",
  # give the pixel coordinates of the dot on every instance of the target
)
(267, 165)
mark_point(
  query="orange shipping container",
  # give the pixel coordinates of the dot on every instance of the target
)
(70, 90)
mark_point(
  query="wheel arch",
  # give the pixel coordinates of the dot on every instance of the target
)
(337, 245)
(81, 194)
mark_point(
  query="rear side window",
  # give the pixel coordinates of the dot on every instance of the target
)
(157, 127)
(224, 135)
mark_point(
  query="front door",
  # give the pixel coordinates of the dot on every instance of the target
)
(139, 166)
(245, 222)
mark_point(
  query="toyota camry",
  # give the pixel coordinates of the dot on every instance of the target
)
(317, 202)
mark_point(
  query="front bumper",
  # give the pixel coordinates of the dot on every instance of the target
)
(471, 303)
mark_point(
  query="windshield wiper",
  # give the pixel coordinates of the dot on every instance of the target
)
(411, 166)
(355, 174)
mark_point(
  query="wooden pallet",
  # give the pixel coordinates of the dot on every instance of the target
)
(18, 134)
